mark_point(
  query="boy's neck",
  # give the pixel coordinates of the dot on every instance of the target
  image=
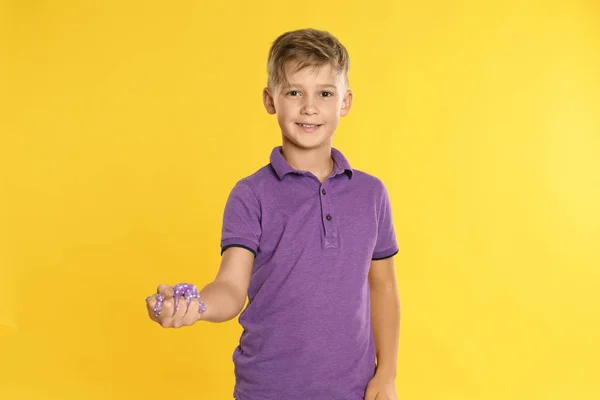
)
(316, 161)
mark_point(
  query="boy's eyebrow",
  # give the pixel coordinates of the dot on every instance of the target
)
(322, 86)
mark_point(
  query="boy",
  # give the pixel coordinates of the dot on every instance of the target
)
(311, 242)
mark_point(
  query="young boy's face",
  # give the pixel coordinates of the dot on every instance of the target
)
(309, 108)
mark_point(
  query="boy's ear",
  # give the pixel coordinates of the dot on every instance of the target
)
(268, 101)
(346, 103)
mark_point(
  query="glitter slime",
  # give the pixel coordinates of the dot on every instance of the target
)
(186, 290)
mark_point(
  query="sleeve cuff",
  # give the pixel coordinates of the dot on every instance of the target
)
(239, 242)
(382, 255)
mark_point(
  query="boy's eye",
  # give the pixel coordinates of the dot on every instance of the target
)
(293, 93)
(327, 94)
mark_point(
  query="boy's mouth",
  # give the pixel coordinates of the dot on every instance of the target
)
(308, 126)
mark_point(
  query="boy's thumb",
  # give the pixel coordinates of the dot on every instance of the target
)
(165, 290)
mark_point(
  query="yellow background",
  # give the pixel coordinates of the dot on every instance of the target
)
(125, 124)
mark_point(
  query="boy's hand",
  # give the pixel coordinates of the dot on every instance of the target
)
(381, 388)
(185, 315)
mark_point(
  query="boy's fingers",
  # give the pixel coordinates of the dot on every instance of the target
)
(150, 303)
(167, 308)
(164, 315)
(165, 319)
(191, 315)
(181, 309)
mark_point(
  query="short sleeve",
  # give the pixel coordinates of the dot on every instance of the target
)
(387, 244)
(241, 219)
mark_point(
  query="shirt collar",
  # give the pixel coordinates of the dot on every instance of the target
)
(282, 167)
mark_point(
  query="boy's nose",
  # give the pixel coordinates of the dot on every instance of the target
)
(309, 108)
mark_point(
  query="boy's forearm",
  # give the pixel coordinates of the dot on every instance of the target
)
(223, 301)
(385, 316)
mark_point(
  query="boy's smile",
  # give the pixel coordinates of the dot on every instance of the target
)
(306, 127)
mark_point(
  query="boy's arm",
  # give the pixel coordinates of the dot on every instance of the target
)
(226, 295)
(385, 316)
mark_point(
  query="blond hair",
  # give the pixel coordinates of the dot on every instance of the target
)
(307, 48)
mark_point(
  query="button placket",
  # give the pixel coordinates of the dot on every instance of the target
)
(324, 209)
(328, 220)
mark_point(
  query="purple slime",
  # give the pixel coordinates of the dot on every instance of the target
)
(186, 290)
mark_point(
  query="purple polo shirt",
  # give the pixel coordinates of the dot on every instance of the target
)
(307, 327)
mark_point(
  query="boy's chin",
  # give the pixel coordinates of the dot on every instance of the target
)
(307, 143)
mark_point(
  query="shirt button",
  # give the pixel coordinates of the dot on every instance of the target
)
(328, 217)
(324, 192)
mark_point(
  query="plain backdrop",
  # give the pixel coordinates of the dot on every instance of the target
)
(125, 124)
